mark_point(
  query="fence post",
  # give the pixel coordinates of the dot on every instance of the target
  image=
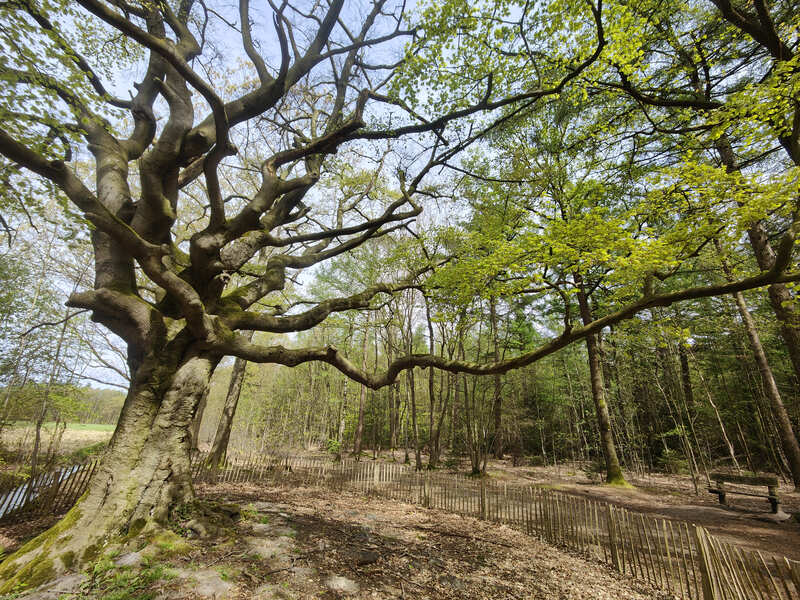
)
(706, 567)
(483, 499)
(612, 537)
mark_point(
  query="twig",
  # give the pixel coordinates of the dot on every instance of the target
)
(51, 323)
(223, 557)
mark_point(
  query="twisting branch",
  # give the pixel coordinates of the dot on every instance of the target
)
(239, 346)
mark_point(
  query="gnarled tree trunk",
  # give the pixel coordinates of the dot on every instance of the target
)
(143, 475)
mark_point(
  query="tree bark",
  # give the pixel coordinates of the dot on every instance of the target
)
(614, 474)
(780, 298)
(497, 409)
(362, 398)
(791, 448)
(197, 422)
(779, 295)
(219, 448)
(143, 475)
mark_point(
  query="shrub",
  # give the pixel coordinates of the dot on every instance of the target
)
(673, 462)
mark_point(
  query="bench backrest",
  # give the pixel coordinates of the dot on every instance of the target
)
(768, 480)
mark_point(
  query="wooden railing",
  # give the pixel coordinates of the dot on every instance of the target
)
(49, 493)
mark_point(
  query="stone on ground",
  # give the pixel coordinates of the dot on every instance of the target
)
(337, 583)
(206, 583)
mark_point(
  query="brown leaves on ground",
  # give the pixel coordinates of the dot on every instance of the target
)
(395, 550)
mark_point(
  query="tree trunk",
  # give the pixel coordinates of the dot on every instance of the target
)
(45, 404)
(614, 474)
(143, 475)
(497, 433)
(431, 376)
(361, 399)
(219, 448)
(197, 421)
(342, 421)
(779, 295)
(686, 376)
(784, 424)
(412, 395)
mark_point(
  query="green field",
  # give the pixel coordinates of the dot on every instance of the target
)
(73, 426)
(91, 426)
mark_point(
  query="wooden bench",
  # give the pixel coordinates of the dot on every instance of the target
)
(770, 481)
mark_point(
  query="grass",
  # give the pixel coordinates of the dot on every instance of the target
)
(84, 453)
(124, 583)
(73, 426)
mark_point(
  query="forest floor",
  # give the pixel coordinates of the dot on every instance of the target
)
(308, 542)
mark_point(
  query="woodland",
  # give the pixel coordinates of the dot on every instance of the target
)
(552, 231)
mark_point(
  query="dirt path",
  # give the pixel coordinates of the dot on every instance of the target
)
(307, 542)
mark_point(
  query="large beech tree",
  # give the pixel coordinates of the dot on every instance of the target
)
(208, 191)
(190, 249)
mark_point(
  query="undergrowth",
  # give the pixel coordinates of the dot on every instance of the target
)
(110, 582)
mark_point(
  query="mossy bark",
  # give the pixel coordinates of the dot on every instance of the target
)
(614, 474)
(143, 475)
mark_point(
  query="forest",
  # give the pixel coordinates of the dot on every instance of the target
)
(444, 234)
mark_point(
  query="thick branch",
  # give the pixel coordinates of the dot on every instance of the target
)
(331, 355)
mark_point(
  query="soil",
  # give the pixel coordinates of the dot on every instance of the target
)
(306, 542)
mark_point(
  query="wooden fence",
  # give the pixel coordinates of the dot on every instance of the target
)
(679, 557)
(49, 493)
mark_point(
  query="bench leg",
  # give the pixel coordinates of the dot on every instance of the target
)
(774, 503)
(722, 498)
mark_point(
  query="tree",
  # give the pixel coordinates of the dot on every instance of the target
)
(203, 198)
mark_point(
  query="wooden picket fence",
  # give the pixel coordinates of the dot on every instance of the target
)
(678, 557)
(49, 493)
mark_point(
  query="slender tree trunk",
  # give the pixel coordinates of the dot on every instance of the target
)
(721, 423)
(436, 448)
(342, 422)
(686, 376)
(412, 395)
(613, 470)
(780, 297)
(497, 409)
(787, 437)
(432, 458)
(219, 448)
(45, 404)
(406, 459)
(362, 398)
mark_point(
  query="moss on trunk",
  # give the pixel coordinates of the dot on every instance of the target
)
(142, 477)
